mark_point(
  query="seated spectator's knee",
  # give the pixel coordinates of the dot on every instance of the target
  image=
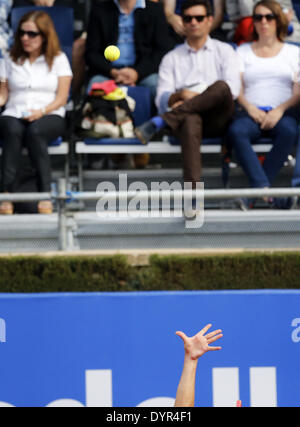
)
(293, 134)
(289, 130)
(10, 127)
(237, 133)
(34, 133)
(193, 121)
(222, 87)
(13, 132)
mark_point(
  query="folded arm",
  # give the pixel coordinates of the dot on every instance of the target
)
(60, 100)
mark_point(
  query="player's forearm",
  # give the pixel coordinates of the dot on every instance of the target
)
(185, 396)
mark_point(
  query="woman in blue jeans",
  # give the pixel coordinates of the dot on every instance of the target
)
(268, 103)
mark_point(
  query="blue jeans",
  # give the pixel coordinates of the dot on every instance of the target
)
(296, 174)
(243, 132)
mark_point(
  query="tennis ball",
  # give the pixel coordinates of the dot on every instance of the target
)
(112, 53)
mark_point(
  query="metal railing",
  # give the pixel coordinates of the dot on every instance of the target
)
(65, 217)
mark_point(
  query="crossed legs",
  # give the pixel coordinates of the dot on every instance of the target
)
(207, 115)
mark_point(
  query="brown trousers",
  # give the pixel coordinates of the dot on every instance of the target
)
(205, 115)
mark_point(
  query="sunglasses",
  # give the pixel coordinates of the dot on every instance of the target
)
(258, 17)
(188, 18)
(30, 34)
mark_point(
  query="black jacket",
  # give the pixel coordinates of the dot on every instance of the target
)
(152, 40)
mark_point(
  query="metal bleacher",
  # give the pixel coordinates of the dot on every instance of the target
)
(167, 145)
(225, 227)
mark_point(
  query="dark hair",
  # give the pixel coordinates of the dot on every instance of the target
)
(51, 46)
(281, 18)
(190, 3)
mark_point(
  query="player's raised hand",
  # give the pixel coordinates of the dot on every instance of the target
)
(199, 344)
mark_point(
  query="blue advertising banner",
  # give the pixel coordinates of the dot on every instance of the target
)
(120, 350)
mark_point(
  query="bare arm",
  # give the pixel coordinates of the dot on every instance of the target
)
(194, 348)
(169, 7)
(255, 113)
(172, 18)
(273, 116)
(219, 7)
(185, 396)
(268, 120)
(294, 101)
(3, 93)
(46, 3)
(180, 96)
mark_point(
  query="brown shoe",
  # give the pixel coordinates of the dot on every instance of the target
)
(45, 207)
(6, 208)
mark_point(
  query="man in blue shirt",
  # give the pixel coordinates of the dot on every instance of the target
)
(139, 29)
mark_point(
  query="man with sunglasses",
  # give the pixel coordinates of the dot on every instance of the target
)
(198, 82)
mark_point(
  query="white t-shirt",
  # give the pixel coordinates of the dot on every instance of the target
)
(269, 81)
(33, 86)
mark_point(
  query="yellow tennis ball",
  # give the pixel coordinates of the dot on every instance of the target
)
(112, 53)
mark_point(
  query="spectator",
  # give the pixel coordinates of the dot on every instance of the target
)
(78, 59)
(139, 29)
(173, 14)
(197, 81)
(270, 95)
(6, 35)
(194, 348)
(36, 79)
(240, 13)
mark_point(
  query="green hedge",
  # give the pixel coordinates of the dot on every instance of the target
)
(114, 273)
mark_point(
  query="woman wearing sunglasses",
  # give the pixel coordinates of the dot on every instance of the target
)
(270, 95)
(240, 14)
(35, 84)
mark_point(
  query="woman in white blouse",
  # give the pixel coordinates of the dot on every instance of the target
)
(268, 103)
(35, 83)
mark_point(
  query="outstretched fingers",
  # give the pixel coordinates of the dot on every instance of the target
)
(210, 337)
(182, 335)
(213, 334)
(213, 339)
(205, 329)
(214, 348)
